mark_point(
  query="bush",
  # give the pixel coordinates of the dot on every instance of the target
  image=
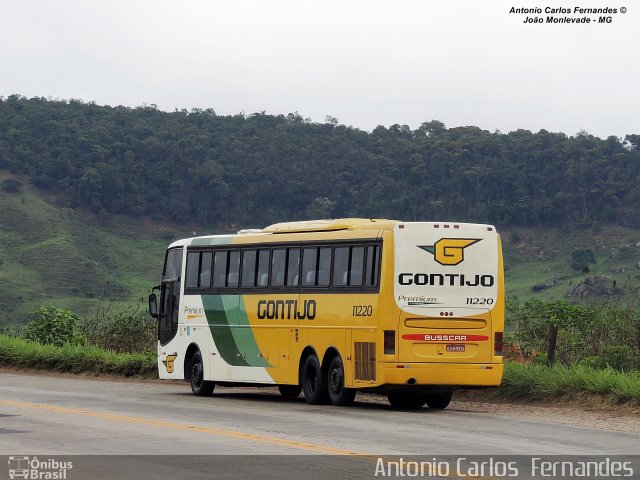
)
(127, 333)
(581, 259)
(122, 331)
(11, 185)
(599, 336)
(618, 357)
(54, 326)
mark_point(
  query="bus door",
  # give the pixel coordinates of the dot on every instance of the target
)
(169, 307)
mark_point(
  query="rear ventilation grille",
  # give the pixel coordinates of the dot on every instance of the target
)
(365, 360)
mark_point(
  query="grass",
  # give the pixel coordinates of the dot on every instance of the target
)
(521, 381)
(51, 255)
(19, 353)
(539, 382)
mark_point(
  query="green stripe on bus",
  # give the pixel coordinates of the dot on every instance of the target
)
(231, 331)
(245, 338)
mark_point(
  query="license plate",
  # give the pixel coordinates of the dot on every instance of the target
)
(456, 348)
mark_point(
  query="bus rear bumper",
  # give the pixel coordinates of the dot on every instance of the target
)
(450, 374)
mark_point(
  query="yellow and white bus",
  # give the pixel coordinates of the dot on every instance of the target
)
(411, 310)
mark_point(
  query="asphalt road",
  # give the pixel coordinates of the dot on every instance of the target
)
(49, 415)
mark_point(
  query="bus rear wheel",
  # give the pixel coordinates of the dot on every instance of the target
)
(406, 401)
(290, 391)
(338, 394)
(199, 386)
(438, 401)
(314, 383)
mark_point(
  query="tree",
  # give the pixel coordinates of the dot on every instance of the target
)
(582, 258)
(11, 185)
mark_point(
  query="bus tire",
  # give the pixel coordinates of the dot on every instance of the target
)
(338, 394)
(438, 401)
(314, 383)
(199, 386)
(406, 400)
(290, 391)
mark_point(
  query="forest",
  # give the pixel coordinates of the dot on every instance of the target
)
(194, 166)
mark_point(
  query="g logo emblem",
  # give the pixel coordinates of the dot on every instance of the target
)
(449, 251)
(168, 363)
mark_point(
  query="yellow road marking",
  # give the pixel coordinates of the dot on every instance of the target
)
(281, 442)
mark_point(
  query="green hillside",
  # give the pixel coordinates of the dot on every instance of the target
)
(104, 189)
(59, 256)
(540, 254)
(52, 255)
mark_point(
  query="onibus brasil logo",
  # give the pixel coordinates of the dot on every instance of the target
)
(449, 251)
(32, 468)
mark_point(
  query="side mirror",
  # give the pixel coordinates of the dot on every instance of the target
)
(153, 305)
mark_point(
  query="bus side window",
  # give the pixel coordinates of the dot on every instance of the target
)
(234, 269)
(248, 268)
(278, 267)
(356, 265)
(173, 263)
(309, 266)
(263, 267)
(219, 268)
(193, 264)
(198, 273)
(340, 266)
(205, 270)
(293, 266)
(324, 266)
(372, 266)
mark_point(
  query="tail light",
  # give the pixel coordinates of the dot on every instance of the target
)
(497, 344)
(389, 342)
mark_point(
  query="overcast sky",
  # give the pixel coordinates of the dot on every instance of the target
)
(366, 62)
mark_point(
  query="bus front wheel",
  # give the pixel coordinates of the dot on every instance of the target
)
(314, 384)
(338, 393)
(199, 386)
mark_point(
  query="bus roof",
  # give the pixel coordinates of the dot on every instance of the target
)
(311, 226)
(306, 226)
(330, 225)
